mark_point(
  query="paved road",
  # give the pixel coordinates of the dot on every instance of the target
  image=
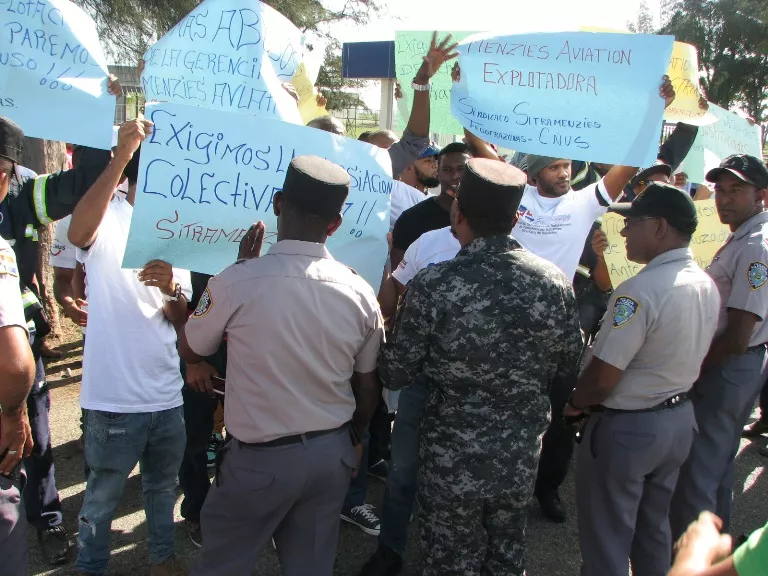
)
(553, 549)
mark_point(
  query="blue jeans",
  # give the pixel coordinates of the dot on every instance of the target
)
(400, 492)
(114, 444)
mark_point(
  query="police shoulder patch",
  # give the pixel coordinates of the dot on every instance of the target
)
(204, 305)
(8, 265)
(757, 275)
(624, 309)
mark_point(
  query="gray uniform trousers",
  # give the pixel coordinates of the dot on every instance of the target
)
(626, 471)
(723, 400)
(13, 528)
(293, 493)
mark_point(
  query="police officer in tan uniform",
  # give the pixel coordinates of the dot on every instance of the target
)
(637, 385)
(734, 369)
(303, 334)
(17, 371)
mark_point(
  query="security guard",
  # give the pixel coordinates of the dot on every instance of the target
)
(300, 327)
(734, 369)
(17, 371)
(30, 204)
(473, 327)
(637, 385)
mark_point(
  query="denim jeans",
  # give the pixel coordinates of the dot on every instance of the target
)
(114, 444)
(400, 492)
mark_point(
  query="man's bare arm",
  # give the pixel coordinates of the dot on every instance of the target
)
(17, 368)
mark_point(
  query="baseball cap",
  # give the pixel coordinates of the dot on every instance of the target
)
(429, 151)
(662, 201)
(646, 173)
(11, 140)
(747, 168)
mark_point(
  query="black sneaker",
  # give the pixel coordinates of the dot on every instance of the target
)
(383, 562)
(552, 507)
(380, 470)
(54, 543)
(756, 429)
(195, 533)
(364, 518)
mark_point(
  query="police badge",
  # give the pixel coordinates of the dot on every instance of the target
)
(204, 305)
(757, 275)
(624, 310)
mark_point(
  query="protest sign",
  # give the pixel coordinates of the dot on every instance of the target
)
(731, 134)
(304, 83)
(230, 55)
(710, 235)
(573, 95)
(410, 49)
(53, 74)
(207, 175)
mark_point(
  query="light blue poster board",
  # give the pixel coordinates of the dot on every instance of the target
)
(205, 176)
(230, 55)
(730, 134)
(577, 95)
(53, 74)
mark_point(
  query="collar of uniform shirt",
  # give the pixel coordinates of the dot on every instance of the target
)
(500, 243)
(669, 256)
(299, 248)
(743, 230)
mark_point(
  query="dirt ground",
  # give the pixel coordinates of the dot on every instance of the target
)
(553, 549)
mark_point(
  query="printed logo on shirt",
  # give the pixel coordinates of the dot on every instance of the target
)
(204, 305)
(525, 214)
(403, 264)
(8, 265)
(624, 310)
(757, 275)
(57, 249)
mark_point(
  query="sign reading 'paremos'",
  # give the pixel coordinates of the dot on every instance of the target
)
(576, 95)
(207, 175)
(53, 75)
(230, 55)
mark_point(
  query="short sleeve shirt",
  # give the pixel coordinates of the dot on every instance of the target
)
(431, 248)
(298, 324)
(63, 253)
(557, 228)
(641, 332)
(415, 221)
(11, 306)
(740, 270)
(402, 198)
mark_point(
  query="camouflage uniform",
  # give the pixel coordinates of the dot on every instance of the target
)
(490, 330)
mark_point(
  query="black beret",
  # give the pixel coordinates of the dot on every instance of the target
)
(316, 185)
(491, 189)
(11, 140)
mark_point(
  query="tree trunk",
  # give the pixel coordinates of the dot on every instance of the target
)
(44, 157)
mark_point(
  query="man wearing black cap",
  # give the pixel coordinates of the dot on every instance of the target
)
(734, 369)
(637, 386)
(473, 327)
(17, 371)
(647, 176)
(299, 395)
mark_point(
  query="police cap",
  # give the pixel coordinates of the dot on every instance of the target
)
(317, 186)
(491, 189)
(11, 140)
(662, 201)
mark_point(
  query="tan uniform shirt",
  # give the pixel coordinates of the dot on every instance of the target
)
(740, 270)
(298, 323)
(11, 305)
(658, 329)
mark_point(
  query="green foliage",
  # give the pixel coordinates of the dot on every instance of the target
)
(333, 86)
(732, 42)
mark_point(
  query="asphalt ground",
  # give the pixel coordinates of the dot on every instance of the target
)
(553, 549)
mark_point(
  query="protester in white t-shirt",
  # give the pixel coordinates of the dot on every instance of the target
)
(131, 388)
(411, 186)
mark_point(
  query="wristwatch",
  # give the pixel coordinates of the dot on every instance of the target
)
(176, 294)
(421, 87)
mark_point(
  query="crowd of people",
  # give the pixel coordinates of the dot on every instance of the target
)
(493, 349)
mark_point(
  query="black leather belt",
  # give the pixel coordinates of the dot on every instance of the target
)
(673, 402)
(293, 439)
(758, 348)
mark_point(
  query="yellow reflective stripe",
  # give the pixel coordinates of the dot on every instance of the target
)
(28, 298)
(581, 175)
(584, 271)
(39, 196)
(31, 232)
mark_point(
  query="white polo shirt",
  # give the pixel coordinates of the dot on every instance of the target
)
(557, 228)
(431, 248)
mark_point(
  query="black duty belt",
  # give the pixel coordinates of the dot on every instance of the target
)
(673, 402)
(758, 348)
(293, 439)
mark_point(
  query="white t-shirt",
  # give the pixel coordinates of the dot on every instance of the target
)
(402, 198)
(63, 253)
(431, 248)
(130, 362)
(557, 228)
